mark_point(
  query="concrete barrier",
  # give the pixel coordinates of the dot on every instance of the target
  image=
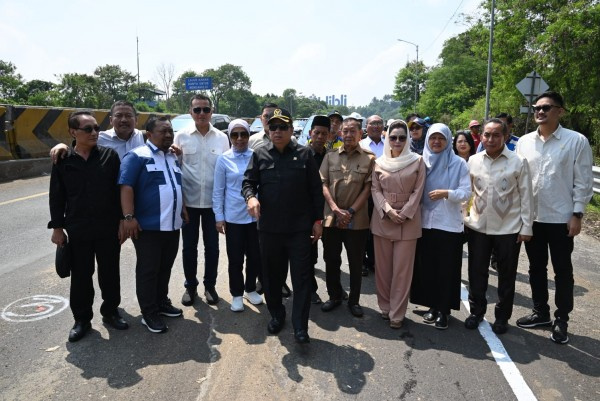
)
(18, 169)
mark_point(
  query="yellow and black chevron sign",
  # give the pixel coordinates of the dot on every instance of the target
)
(30, 132)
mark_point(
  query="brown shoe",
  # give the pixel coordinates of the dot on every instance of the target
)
(396, 324)
(385, 315)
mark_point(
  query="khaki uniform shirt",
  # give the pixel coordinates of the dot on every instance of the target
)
(346, 174)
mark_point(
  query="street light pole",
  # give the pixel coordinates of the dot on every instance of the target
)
(489, 66)
(416, 70)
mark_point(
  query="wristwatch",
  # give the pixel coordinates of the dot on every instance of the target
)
(351, 211)
(129, 217)
(579, 215)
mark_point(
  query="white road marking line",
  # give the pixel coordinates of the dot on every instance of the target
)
(23, 198)
(509, 369)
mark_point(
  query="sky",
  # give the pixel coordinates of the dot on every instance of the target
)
(318, 47)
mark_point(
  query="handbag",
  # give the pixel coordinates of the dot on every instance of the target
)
(64, 259)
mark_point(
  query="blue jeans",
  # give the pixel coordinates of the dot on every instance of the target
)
(190, 233)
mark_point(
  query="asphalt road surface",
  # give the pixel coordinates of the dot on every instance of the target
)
(214, 354)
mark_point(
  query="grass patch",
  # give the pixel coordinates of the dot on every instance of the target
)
(594, 206)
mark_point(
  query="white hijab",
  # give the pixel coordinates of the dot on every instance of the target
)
(406, 157)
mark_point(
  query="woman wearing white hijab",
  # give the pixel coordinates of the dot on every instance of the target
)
(436, 277)
(398, 180)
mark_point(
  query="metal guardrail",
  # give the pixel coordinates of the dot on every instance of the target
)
(596, 173)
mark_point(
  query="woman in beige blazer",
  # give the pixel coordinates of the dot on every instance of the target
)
(398, 181)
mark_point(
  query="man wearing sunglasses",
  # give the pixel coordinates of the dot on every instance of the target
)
(561, 169)
(346, 177)
(262, 138)
(201, 145)
(90, 214)
(282, 190)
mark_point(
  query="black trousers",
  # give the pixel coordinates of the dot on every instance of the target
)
(107, 253)
(369, 258)
(507, 250)
(437, 272)
(354, 242)
(276, 250)
(242, 240)
(553, 236)
(156, 252)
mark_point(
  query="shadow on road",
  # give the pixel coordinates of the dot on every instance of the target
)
(347, 364)
(119, 358)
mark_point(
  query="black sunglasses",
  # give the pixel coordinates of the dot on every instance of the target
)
(545, 108)
(236, 135)
(90, 128)
(394, 138)
(282, 127)
(197, 110)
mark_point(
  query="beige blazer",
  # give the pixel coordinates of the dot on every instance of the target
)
(401, 190)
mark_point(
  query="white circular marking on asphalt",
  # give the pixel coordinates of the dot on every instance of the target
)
(33, 308)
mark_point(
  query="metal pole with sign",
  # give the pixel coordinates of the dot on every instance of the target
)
(531, 87)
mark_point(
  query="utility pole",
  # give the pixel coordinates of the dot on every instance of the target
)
(489, 67)
(137, 48)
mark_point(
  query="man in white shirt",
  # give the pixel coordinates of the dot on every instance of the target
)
(374, 143)
(560, 161)
(201, 145)
(122, 137)
(257, 140)
(501, 218)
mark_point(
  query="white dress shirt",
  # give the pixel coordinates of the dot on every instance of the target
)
(110, 139)
(502, 194)
(198, 160)
(561, 172)
(371, 145)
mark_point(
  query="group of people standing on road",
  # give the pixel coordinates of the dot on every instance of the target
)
(402, 203)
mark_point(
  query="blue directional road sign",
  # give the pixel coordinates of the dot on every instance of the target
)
(198, 83)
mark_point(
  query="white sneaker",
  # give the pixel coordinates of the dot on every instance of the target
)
(254, 298)
(237, 305)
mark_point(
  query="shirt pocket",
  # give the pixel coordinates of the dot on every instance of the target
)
(358, 174)
(177, 173)
(156, 175)
(190, 153)
(268, 174)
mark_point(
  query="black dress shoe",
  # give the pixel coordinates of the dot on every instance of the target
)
(473, 321)
(301, 336)
(116, 321)
(430, 316)
(441, 322)
(275, 325)
(188, 297)
(79, 330)
(356, 310)
(500, 326)
(315, 298)
(330, 305)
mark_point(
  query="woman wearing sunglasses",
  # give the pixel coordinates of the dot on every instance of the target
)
(436, 278)
(398, 180)
(232, 218)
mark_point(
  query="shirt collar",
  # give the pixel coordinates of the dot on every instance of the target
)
(556, 133)
(358, 149)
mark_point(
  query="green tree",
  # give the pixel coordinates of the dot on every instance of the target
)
(113, 83)
(10, 81)
(226, 79)
(38, 93)
(79, 90)
(404, 88)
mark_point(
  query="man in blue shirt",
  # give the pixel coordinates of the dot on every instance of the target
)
(152, 203)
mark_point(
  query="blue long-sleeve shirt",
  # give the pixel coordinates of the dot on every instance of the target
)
(228, 203)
